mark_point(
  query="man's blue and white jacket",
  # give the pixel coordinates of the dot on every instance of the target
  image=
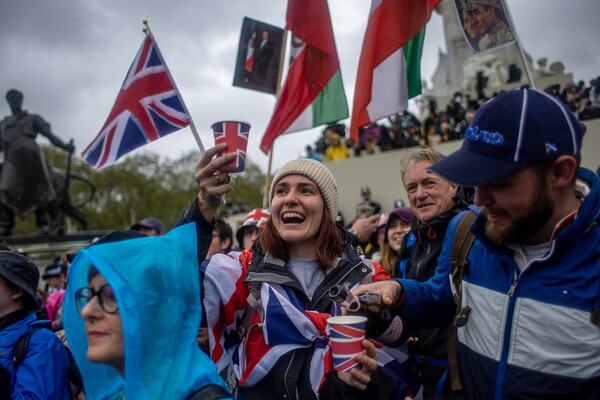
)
(530, 333)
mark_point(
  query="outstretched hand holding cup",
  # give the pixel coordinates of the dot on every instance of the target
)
(213, 183)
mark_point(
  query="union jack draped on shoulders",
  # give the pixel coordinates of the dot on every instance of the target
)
(285, 326)
(147, 107)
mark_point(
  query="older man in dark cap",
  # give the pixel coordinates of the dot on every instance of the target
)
(39, 371)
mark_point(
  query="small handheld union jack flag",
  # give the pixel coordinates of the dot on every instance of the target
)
(235, 134)
(147, 107)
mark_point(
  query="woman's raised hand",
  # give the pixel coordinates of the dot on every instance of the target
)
(212, 182)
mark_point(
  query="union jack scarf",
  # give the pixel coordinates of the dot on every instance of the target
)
(286, 325)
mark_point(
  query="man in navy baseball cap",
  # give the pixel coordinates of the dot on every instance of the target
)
(518, 127)
(514, 150)
(528, 288)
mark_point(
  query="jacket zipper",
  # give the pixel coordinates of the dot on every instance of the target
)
(507, 335)
(287, 370)
(420, 264)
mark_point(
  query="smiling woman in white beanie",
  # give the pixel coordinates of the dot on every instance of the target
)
(267, 306)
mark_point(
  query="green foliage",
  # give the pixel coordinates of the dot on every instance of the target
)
(143, 185)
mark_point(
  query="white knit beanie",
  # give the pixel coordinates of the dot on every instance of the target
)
(316, 172)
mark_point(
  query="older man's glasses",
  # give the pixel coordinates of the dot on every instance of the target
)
(106, 298)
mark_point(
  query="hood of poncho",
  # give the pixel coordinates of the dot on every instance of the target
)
(156, 284)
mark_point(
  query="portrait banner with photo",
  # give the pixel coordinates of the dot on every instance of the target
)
(259, 56)
(485, 24)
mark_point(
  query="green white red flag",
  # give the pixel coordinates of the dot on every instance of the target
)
(389, 67)
(313, 93)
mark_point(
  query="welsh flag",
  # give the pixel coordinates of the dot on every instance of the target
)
(389, 70)
(313, 93)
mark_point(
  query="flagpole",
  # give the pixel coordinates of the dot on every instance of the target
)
(192, 125)
(518, 43)
(265, 202)
(268, 177)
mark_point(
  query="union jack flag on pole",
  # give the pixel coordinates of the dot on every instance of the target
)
(147, 108)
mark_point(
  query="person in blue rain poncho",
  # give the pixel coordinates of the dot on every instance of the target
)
(150, 285)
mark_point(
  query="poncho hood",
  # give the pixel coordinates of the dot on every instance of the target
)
(156, 284)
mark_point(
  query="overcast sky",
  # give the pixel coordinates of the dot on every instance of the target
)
(69, 58)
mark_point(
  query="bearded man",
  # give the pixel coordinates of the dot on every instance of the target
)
(532, 280)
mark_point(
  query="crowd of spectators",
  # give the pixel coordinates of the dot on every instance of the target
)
(398, 132)
(127, 285)
(583, 100)
(441, 124)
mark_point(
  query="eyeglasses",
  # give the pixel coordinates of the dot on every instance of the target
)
(106, 298)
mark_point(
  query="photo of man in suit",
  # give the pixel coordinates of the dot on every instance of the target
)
(259, 56)
(264, 56)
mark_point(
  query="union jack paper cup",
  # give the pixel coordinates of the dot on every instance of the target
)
(346, 327)
(343, 352)
(235, 134)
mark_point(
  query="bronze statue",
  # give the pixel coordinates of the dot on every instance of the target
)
(25, 178)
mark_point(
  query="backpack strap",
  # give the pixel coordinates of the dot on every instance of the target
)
(4, 383)
(21, 347)
(253, 304)
(463, 240)
(209, 392)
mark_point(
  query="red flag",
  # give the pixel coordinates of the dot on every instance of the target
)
(382, 87)
(313, 93)
(147, 107)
